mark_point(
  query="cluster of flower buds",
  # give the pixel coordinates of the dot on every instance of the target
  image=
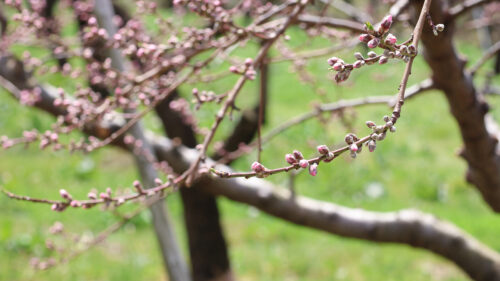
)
(205, 96)
(296, 158)
(258, 167)
(248, 69)
(379, 132)
(30, 97)
(373, 36)
(343, 69)
(354, 148)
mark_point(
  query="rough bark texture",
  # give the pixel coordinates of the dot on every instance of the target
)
(468, 109)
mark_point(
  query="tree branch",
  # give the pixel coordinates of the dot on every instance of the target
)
(464, 7)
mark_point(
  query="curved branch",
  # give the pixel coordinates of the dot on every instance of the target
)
(464, 7)
(404, 227)
(492, 51)
(331, 22)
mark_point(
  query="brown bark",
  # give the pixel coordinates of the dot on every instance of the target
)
(467, 107)
(207, 245)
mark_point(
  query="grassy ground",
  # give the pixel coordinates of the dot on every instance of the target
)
(415, 168)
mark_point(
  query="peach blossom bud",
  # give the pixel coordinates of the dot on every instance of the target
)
(412, 49)
(358, 64)
(233, 69)
(392, 129)
(303, 163)
(386, 22)
(349, 138)
(329, 157)
(372, 54)
(382, 60)
(75, 204)
(333, 60)
(365, 38)
(390, 39)
(257, 167)
(338, 66)
(358, 56)
(158, 181)
(370, 124)
(104, 196)
(92, 195)
(373, 43)
(64, 194)
(313, 169)
(298, 155)
(248, 62)
(353, 147)
(372, 145)
(323, 149)
(440, 27)
(290, 159)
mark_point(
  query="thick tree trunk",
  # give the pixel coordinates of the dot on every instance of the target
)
(207, 246)
(469, 110)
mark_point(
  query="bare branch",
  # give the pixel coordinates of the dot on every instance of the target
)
(464, 7)
(488, 54)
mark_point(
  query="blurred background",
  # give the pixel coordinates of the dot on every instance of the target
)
(417, 167)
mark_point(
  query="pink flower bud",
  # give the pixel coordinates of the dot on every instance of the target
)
(104, 196)
(298, 155)
(92, 195)
(372, 145)
(338, 66)
(329, 157)
(323, 149)
(290, 159)
(353, 147)
(313, 169)
(75, 204)
(233, 69)
(331, 61)
(390, 39)
(365, 38)
(373, 43)
(370, 124)
(386, 22)
(358, 64)
(303, 163)
(64, 194)
(248, 62)
(257, 167)
(382, 60)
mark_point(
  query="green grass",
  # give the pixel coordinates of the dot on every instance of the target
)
(416, 167)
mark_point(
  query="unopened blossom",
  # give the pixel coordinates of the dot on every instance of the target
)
(365, 38)
(257, 167)
(323, 149)
(353, 147)
(390, 39)
(373, 43)
(386, 23)
(290, 159)
(298, 155)
(303, 163)
(313, 169)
